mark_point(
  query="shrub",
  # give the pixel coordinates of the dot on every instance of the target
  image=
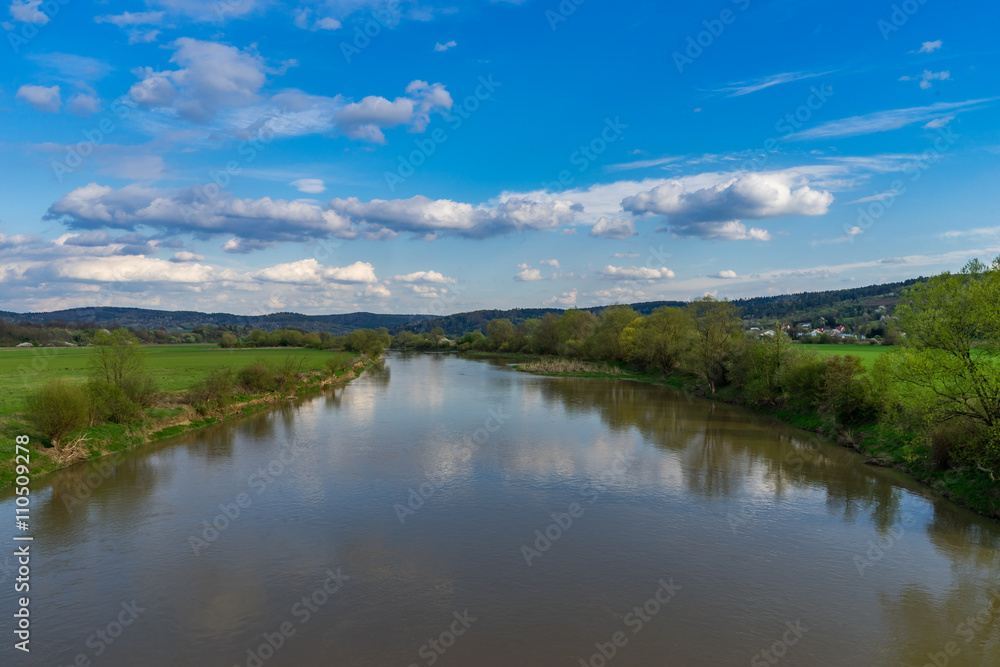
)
(58, 409)
(215, 391)
(337, 364)
(257, 378)
(111, 403)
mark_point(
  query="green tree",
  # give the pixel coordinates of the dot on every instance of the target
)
(607, 341)
(228, 340)
(716, 326)
(500, 333)
(951, 352)
(660, 339)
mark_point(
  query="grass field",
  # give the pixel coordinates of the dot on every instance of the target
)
(868, 353)
(174, 367)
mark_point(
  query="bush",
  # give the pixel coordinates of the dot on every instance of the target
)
(215, 391)
(58, 409)
(111, 403)
(257, 378)
(337, 364)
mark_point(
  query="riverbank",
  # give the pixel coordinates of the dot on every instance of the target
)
(881, 444)
(170, 418)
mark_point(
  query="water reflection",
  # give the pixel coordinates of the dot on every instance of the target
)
(759, 523)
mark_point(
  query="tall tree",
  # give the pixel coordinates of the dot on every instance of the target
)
(716, 327)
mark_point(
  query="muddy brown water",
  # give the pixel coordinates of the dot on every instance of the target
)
(448, 511)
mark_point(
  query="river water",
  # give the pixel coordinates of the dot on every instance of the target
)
(453, 512)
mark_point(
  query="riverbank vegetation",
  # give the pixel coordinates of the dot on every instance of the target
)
(929, 406)
(111, 398)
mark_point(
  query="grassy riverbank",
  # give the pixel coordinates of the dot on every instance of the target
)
(172, 414)
(882, 445)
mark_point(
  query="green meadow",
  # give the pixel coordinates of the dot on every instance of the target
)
(175, 367)
(868, 353)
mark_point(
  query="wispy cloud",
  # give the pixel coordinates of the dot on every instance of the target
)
(885, 121)
(738, 88)
(930, 47)
(641, 164)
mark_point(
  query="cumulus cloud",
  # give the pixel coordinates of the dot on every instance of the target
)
(429, 217)
(636, 273)
(528, 275)
(185, 256)
(715, 211)
(567, 298)
(84, 105)
(554, 263)
(210, 77)
(728, 274)
(42, 99)
(613, 228)
(367, 118)
(310, 185)
(423, 278)
(257, 223)
(28, 11)
(311, 272)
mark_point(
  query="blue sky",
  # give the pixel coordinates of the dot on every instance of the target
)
(250, 156)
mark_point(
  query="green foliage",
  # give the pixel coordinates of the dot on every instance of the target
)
(607, 340)
(257, 378)
(716, 330)
(367, 341)
(501, 334)
(658, 340)
(57, 409)
(216, 391)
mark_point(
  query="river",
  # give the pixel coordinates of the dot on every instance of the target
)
(448, 511)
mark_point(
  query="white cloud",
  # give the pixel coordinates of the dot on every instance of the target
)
(303, 19)
(529, 275)
(740, 88)
(728, 274)
(629, 255)
(641, 164)
(28, 11)
(423, 277)
(550, 262)
(938, 122)
(567, 298)
(930, 47)
(185, 256)
(366, 119)
(84, 105)
(714, 212)
(311, 272)
(210, 77)
(131, 18)
(40, 98)
(885, 121)
(636, 273)
(444, 47)
(309, 185)
(927, 77)
(613, 228)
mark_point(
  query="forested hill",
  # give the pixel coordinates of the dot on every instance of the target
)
(834, 305)
(173, 320)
